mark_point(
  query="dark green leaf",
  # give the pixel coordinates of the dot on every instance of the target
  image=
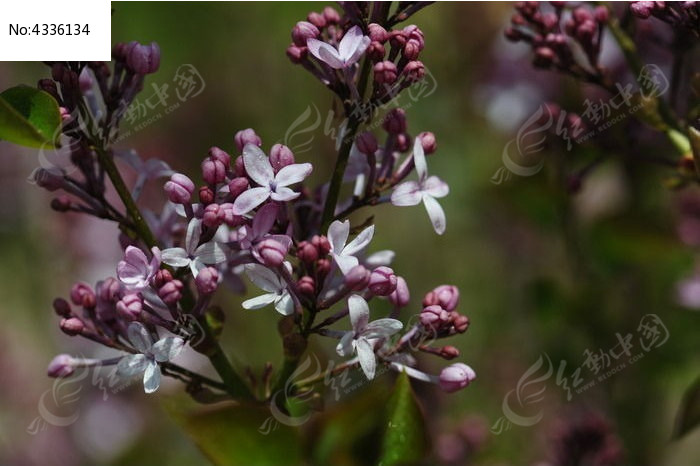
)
(405, 439)
(688, 416)
(29, 117)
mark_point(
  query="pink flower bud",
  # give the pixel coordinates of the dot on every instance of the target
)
(213, 171)
(323, 266)
(302, 32)
(206, 195)
(414, 71)
(376, 52)
(272, 253)
(239, 167)
(61, 204)
(382, 281)
(171, 292)
(108, 290)
(322, 244)
(428, 142)
(401, 295)
(82, 295)
(72, 326)
(143, 59)
(62, 365)
(61, 307)
(247, 136)
(403, 142)
(130, 307)
(385, 72)
(378, 33)
(367, 143)
(446, 296)
(162, 277)
(211, 216)
(414, 33)
(449, 352)
(238, 185)
(460, 322)
(544, 56)
(434, 316)
(307, 286)
(280, 156)
(395, 121)
(317, 19)
(297, 54)
(48, 179)
(227, 216)
(179, 189)
(411, 50)
(456, 377)
(307, 252)
(397, 39)
(642, 9)
(207, 280)
(357, 278)
(332, 16)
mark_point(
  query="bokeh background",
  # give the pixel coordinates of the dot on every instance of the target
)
(540, 270)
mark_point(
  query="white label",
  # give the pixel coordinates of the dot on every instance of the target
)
(51, 30)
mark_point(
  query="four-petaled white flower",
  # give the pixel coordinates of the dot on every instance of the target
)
(135, 271)
(192, 255)
(426, 189)
(148, 356)
(349, 51)
(344, 254)
(277, 292)
(259, 169)
(365, 334)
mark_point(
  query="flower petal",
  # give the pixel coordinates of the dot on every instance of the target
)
(293, 174)
(211, 252)
(365, 353)
(285, 305)
(344, 347)
(264, 278)
(151, 378)
(436, 214)
(405, 194)
(359, 312)
(357, 54)
(360, 242)
(419, 159)
(250, 199)
(435, 187)
(325, 52)
(139, 337)
(132, 364)
(415, 373)
(194, 233)
(382, 328)
(283, 194)
(175, 257)
(351, 40)
(166, 349)
(259, 302)
(379, 258)
(257, 165)
(345, 263)
(264, 220)
(338, 235)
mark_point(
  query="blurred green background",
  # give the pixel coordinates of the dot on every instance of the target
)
(539, 271)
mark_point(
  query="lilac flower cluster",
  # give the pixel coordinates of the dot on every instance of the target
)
(252, 216)
(680, 15)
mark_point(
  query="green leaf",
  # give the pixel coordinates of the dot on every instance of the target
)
(29, 117)
(238, 434)
(405, 439)
(688, 416)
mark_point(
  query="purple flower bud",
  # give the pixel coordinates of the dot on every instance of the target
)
(317, 19)
(460, 322)
(207, 280)
(143, 59)
(179, 189)
(322, 244)
(445, 296)
(108, 290)
(581, 14)
(376, 52)
(411, 50)
(61, 204)
(239, 167)
(227, 215)
(72, 326)
(213, 171)
(377, 33)
(382, 281)
(428, 142)
(206, 195)
(456, 377)
(395, 121)
(413, 32)
(367, 143)
(397, 39)
(62, 365)
(246, 136)
(302, 32)
(403, 142)
(211, 217)
(449, 352)
(401, 295)
(306, 285)
(238, 185)
(385, 72)
(544, 56)
(48, 179)
(550, 20)
(162, 277)
(357, 278)
(307, 252)
(414, 71)
(601, 14)
(130, 306)
(61, 307)
(434, 316)
(280, 156)
(332, 16)
(171, 292)
(323, 266)
(82, 295)
(297, 54)
(220, 155)
(271, 252)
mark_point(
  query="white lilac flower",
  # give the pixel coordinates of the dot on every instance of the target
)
(426, 189)
(192, 255)
(135, 271)
(148, 356)
(349, 50)
(365, 334)
(342, 253)
(272, 186)
(277, 292)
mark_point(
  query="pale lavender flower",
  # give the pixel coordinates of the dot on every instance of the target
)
(150, 354)
(277, 292)
(135, 271)
(150, 169)
(349, 50)
(342, 253)
(192, 255)
(365, 334)
(272, 186)
(252, 236)
(426, 189)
